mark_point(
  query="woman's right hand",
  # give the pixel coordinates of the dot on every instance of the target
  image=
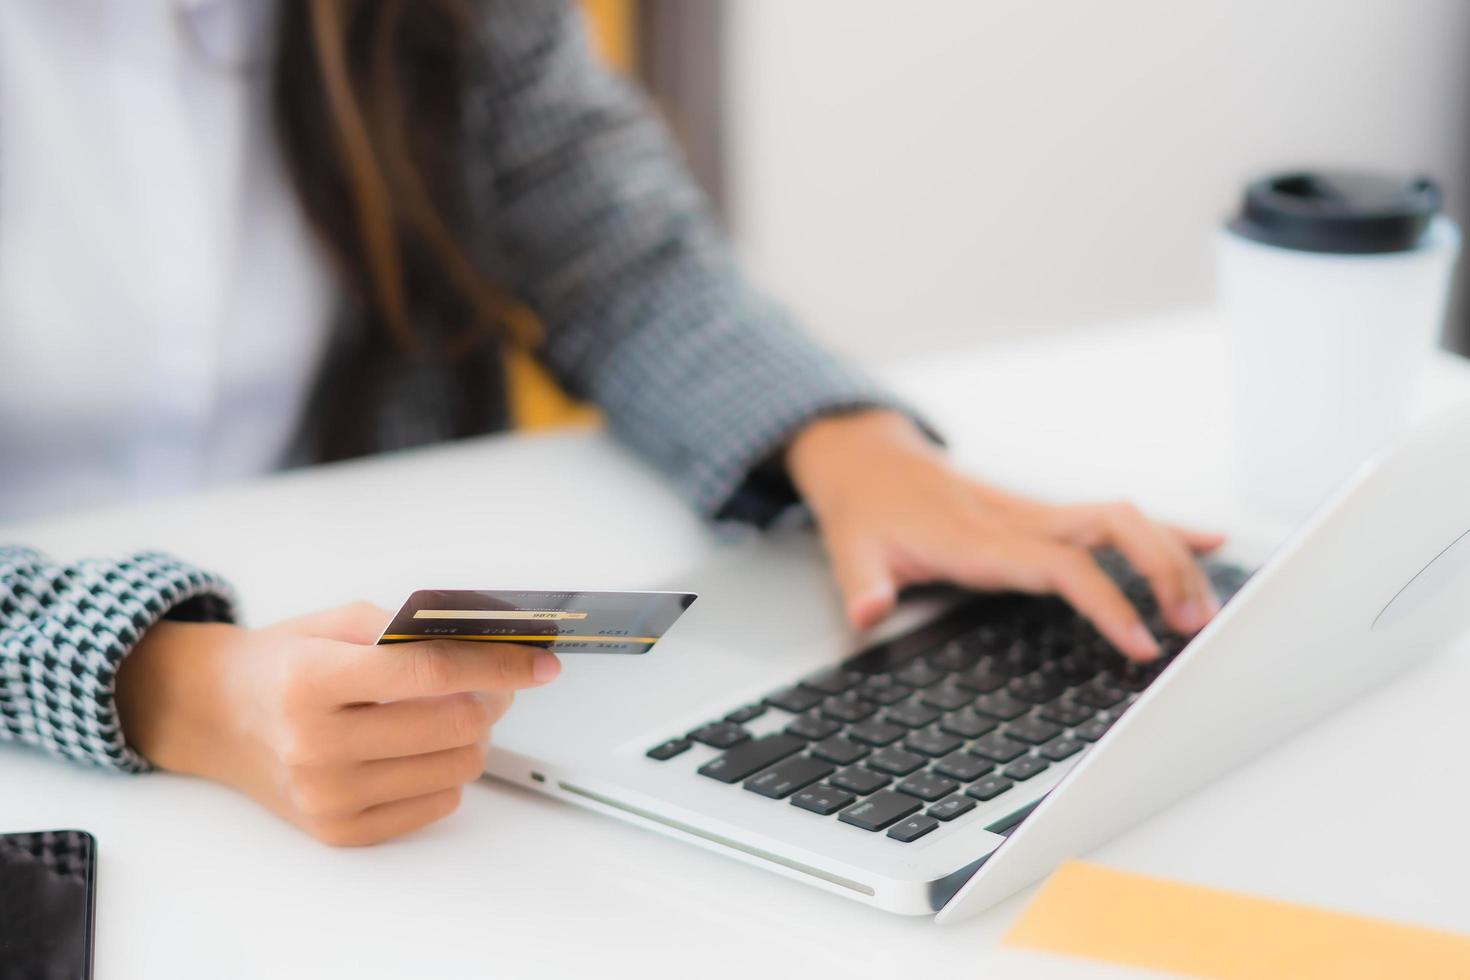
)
(352, 742)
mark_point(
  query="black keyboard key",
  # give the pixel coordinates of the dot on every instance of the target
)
(985, 640)
(963, 766)
(950, 808)
(751, 757)
(996, 746)
(1033, 730)
(1025, 768)
(1100, 693)
(785, 778)
(919, 673)
(669, 749)
(911, 715)
(982, 678)
(1107, 659)
(927, 786)
(1076, 668)
(912, 829)
(1021, 658)
(748, 713)
(794, 699)
(813, 726)
(839, 750)
(1038, 686)
(967, 723)
(895, 761)
(947, 698)
(879, 810)
(989, 788)
(847, 707)
(1002, 705)
(954, 656)
(1135, 677)
(1098, 727)
(833, 681)
(822, 799)
(1067, 713)
(720, 735)
(861, 780)
(876, 732)
(932, 743)
(884, 693)
(1062, 748)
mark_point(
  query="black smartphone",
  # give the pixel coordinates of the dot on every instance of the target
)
(48, 885)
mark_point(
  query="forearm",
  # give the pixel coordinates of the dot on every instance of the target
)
(597, 224)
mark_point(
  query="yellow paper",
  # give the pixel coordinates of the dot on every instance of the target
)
(1086, 910)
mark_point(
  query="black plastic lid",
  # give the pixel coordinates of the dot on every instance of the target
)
(1337, 211)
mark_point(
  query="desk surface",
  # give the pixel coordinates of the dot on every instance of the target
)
(1362, 813)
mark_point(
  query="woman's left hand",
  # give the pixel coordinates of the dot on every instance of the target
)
(893, 512)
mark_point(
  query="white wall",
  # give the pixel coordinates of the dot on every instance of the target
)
(907, 173)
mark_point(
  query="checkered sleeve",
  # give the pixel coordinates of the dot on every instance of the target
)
(645, 312)
(64, 629)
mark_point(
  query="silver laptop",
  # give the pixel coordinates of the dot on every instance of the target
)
(984, 739)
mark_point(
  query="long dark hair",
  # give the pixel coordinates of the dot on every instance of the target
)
(368, 101)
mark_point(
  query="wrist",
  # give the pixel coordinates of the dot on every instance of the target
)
(835, 451)
(167, 694)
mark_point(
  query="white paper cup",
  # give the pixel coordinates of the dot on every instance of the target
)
(1329, 345)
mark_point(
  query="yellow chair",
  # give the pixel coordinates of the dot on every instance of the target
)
(537, 402)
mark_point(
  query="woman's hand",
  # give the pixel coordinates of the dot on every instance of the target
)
(352, 742)
(892, 512)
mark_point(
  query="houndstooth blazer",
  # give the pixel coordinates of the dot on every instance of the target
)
(585, 212)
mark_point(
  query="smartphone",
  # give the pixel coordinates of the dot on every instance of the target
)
(48, 885)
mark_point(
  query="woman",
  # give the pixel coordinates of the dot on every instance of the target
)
(236, 236)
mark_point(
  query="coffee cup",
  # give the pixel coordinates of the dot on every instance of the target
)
(1334, 285)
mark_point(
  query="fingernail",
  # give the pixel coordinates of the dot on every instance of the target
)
(545, 667)
(1191, 613)
(1141, 640)
(869, 607)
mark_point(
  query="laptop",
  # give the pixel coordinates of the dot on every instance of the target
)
(982, 739)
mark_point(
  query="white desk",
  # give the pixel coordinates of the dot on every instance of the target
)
(1366, 812)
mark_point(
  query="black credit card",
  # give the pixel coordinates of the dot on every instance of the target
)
(562, 622)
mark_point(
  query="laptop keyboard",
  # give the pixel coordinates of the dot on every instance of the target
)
(920, 730)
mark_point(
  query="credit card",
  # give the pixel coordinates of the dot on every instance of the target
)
(562, 622)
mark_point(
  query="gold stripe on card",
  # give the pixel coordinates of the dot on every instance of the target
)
(525, 638)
